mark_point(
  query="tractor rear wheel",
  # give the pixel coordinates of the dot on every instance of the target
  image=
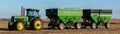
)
(93, 25)
(78, 25)
(61, 26)
(19, 25)
(36, 24)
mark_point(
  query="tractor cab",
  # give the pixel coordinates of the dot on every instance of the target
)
(32, 12)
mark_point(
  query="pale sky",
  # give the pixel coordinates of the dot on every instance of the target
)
(10, 8)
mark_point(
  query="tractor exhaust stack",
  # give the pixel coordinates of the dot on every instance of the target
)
(22, 11)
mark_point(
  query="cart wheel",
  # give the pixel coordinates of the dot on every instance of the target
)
(98, 25)
(61, 26)
(83, 26)
(78, 25)
(107, 25)
(50, 26)
(93, 25)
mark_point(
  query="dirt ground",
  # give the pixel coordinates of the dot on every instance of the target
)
(115, 29)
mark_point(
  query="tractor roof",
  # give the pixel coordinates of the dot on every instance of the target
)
(29, 9)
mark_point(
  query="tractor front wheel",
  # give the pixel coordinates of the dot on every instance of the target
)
(36, 24)
(19, 25)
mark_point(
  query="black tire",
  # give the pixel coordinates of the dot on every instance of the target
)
(78, 25)
(34, 25)
(61, 26)
(93, 25)
(98, 25)
(10, 27)
(19, 25)
(107, 25)
(50, 25)
(83, 25)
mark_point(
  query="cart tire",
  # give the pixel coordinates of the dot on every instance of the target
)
(61, 26)
(78, 25)
(50, 26)
(93, 25)
(107, 25)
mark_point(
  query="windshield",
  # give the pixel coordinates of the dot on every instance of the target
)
(32, 13)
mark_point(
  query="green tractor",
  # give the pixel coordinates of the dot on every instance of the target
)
(31, 21)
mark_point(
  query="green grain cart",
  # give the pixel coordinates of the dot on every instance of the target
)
(94, 17)
(64, 17)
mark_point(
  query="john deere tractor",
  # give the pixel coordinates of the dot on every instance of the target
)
(31, 21)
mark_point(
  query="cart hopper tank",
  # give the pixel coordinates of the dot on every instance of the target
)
(64, 15)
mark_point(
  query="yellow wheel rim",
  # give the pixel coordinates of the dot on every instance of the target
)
(20, 26)
(38, 24)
